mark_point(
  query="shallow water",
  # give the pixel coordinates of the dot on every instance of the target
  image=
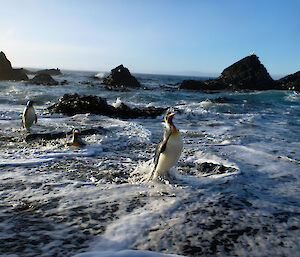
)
(96, 200)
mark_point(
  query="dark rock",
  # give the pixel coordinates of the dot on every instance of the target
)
(121, 77)
(290, 82)
(211, 168)
(74, 104)
(247, 73)
(43, 79)
(215, 84)
(204, 85)
(191, 84)
(7, 72)
(52, 72)
(56, 135)
(64, 82)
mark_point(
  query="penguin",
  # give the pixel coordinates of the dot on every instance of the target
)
(168, 149)
(29, 115)
(76, 141)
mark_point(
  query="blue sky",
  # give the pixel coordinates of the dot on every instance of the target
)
(151, 36)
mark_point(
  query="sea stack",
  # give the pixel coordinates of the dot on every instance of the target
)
(7, 72)
(121, 77)
(247, 73)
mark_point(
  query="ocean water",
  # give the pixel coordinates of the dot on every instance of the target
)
(97, 201)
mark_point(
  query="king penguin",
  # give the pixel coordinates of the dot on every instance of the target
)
(29, 115)
(76, 141)
(168, 150)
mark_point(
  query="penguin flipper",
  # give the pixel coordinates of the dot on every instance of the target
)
(35, 118)
(161, 147)
(23, 117)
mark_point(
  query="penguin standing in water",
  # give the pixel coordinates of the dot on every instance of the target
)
(29, 116)
(76, 141)
(168, 150)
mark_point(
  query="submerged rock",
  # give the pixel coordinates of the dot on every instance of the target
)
(290, 82)
(7, 72)
(74, 104)
(44, 79)
(121, 77)
(248, 73)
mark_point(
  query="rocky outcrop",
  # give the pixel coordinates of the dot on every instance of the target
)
(74, 104)
(290, 82)
(204, 85)
(121, 77)
(248, 73)
(7, 72)
(61, 134)
(52, 72)
(43, 79)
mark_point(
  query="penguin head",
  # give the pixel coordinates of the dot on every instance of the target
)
(169, 117)
(75, 133)
(30, 103)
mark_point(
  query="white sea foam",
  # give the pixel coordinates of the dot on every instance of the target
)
(98, 197)
(100, 75)
(117, 103)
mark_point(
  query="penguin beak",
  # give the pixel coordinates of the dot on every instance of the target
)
(172, 114)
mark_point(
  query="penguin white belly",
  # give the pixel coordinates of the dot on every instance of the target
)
(29, 118)
(170, 156)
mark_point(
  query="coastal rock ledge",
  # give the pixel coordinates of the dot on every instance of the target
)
(71, 104)
(7, 72)
(121, 77)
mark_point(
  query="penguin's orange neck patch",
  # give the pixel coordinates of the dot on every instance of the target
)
(174, 131)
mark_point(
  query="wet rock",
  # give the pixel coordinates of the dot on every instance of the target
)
(247, 73)
(7, 72)
(56, 135)
(210, 84)
(43, 79)
(52, 72)
(74, 104)
(191, 85)
(213, 169)
(121, 77)
(290, 82)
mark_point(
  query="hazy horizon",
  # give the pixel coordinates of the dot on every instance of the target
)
(193, 38)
